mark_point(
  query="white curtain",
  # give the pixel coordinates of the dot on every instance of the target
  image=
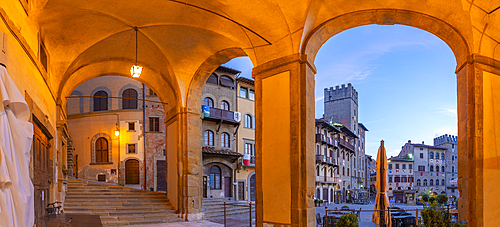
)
(16, 134)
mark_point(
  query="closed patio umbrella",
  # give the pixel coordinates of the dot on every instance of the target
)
(16, 133)
(381, 201)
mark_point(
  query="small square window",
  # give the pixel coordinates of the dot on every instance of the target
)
(251, 94)
(131, 148)
(131, 126)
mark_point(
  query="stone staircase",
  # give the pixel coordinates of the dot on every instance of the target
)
(214, 209)
(117, 205)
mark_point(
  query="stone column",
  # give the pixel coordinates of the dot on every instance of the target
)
(285, 142)
(184, 164)
(478, 81)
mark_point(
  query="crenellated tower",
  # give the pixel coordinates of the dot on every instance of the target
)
(341, 105)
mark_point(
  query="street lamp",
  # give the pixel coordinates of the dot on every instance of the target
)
(117, 131)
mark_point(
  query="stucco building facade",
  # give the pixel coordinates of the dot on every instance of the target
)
(246, 138)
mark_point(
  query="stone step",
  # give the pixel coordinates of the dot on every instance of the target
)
(121, 204)
(117, 209)
(118, 205)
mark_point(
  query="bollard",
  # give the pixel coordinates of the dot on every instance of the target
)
(250, 205)
(224, 213)
(417, 217)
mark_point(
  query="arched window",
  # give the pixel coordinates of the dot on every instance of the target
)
(431, 182)
(208, 102)
(224, 105)
(437, 155)
(209, 138)
(442, 169)
(425, 182)
(212, 79)
(437, 168)
(431, 155)
(317, 170)
(437, 182)
(331, 172)
(442, 182)
(227, 82)
(442, 156)
(453, 169)
(101, 101)
(418, 182)
(248, 121)
(432, 168)
(453, 157)
(224, 140)
(215, 181)
(343, 171)
(130, 99)
(101, 150)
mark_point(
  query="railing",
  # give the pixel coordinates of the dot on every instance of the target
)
(327, 160)
(346, 144)
(240, 205)
(220, 114)
(399, 217)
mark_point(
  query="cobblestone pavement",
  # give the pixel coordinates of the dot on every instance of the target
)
(365, 217)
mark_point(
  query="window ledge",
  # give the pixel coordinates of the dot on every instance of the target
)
(101, 163)
(153, 132)
(131, 130)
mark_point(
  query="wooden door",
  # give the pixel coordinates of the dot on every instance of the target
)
(241, 190)
(132, 172)
(325, 195)
(227, 186)
(252, 188)
(204, 186)
(161, 175)
(42, 175)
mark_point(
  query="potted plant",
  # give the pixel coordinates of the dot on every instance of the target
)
(348, 220)
(316, 202)
(320, 202)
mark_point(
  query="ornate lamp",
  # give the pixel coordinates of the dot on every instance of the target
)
(136, 69)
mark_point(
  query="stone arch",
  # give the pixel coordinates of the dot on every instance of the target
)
(97, 89)
(92, 147)
(204, 71)
(153, 79)
(313, 40)
(130, 86)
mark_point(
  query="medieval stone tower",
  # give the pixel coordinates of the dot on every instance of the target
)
(341, 106)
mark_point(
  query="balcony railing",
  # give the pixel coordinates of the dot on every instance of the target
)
(346, 144)
(225, 116)
(326, 160)
(325, 179)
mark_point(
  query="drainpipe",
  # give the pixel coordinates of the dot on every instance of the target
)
(144, 135)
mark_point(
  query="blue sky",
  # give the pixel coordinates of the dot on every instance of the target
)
(404, 77)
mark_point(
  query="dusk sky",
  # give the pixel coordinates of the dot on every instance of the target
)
(404, 77)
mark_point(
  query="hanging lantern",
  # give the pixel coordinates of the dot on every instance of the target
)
(135, 71)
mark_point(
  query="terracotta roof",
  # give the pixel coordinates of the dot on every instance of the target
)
(246, 80)
(227, 70)
(212, 150)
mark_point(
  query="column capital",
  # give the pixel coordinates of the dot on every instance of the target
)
(281, 64)
(484, 62)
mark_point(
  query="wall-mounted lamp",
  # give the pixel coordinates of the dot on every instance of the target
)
(117, 131)
(136, 69)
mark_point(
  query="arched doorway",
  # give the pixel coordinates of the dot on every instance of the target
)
(252, 188)
(132, 171)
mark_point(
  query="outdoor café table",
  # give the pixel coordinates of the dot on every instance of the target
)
(399, 221)
(331, 220)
